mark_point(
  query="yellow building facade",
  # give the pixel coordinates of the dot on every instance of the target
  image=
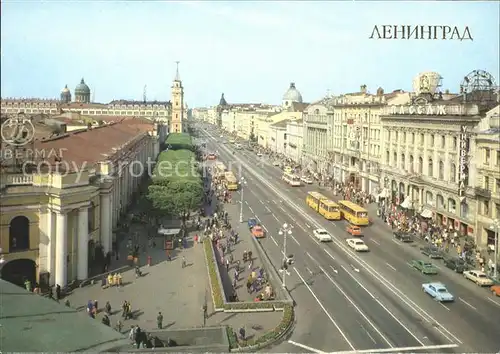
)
(58, 222)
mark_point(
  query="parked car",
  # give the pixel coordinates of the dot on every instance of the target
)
(424, 267)
(432, 252)
(354, 230)
(357, 245)
(322, 235)
(438, 291)
(478, 277)
(456, 264)
(403, 236)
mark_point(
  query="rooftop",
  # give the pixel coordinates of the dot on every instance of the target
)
(33, 323)
(281, 123)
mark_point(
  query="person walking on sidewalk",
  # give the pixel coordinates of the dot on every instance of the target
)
(159, 320)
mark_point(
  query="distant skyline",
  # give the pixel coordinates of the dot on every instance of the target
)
(251, 51)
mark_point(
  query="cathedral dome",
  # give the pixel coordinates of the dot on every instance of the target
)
(65, 90)
(82, 88)
(292, 94)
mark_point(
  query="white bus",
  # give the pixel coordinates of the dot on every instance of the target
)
(291, 179)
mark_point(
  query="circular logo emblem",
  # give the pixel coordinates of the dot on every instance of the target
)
(17, 131)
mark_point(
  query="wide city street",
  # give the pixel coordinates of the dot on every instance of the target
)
(348, 301)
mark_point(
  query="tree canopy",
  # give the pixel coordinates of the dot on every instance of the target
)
(179, 141)
(177, 186)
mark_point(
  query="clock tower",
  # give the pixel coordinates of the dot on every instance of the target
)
(177, 101)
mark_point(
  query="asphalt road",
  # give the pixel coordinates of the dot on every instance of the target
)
(348, 301)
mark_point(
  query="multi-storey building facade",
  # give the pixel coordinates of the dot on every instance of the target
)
(295, 142)
(487, 157)
(315, 136)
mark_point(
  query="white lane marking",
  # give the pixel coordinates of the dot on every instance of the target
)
(372, 271)
(303, 346)
(354, 268)
(272, 238)
(383, 306)
(328, 253)
(493, 301)
(334, 270)
(465, 302)
(275, 218)
(249, 207)
(401, 349)
(375, 241)
(369, 335)
(309, 255)
(344, 268)
(274, 201)
(302, 227)
(308, 226)
(269, 210)
(325, 310)
(396, 242)
(261, 202)
(440, 303)
(293, 237)
(265, 228)
(393, 268)
(355, 306)
(309, 271)
(246, 202)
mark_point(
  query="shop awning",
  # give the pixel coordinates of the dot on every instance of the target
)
(407, 203)
(426, 213)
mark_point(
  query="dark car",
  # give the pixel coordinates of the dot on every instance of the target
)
(456, 264)
(432, 252)
(403, 236)
(252, 222)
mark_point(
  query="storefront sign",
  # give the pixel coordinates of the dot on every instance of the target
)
(463, 162)
(428, 109)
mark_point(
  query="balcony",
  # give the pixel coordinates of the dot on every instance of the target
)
(482, 192)
(17, 180)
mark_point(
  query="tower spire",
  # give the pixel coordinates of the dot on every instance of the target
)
(177, 76)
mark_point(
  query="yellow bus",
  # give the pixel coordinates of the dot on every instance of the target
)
(313, 199)
(329, 209)
(231, 181)
(353, 213)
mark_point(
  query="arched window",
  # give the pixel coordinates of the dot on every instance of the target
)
(453, 173)
(316, 111)
(440, 201)
(395, 158)
(403, 161)
(412, 168)
(387, 156)
(452, 205)
(430, 168)
(441, 170)
(429, 198)
(420, 167)
(464, 209)
(19, 234)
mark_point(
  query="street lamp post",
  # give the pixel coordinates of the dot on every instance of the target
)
(496, 227)
(285, 230)
(242, 183)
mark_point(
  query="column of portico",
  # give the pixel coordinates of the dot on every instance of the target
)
(106, 207)
(61, 276)
(83, 244)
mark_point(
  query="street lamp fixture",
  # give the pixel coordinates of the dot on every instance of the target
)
(243, 182)
(495, 226)
(284, 231)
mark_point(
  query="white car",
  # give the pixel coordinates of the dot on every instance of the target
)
(322, 235)
(478, 277)
(357, 245)
(276, 163)
(259, 154)
(306, 180)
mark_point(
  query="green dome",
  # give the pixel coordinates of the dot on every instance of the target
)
(82, 88)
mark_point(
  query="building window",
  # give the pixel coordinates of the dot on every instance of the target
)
(413, 138)
(486, 182)
(394, 158)
(453, 173)
(497, 210)
(396, 136)
(432, 140)
(420, 167)
(411, 164)
(19, 234)
(486, 208)
(498, 158)
(486, 159)
(177, 115)
(430, 168)
(455, 143)
(441, 170)
(316, 111)
(443, 141)
(404, 137)
(422, 141)
(452, 205)
(464, 209)
(387, 156)
(497, 185)
(429, 198)
(440, 201)
(403, 161)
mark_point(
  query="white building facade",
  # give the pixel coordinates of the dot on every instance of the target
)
(295, 141)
